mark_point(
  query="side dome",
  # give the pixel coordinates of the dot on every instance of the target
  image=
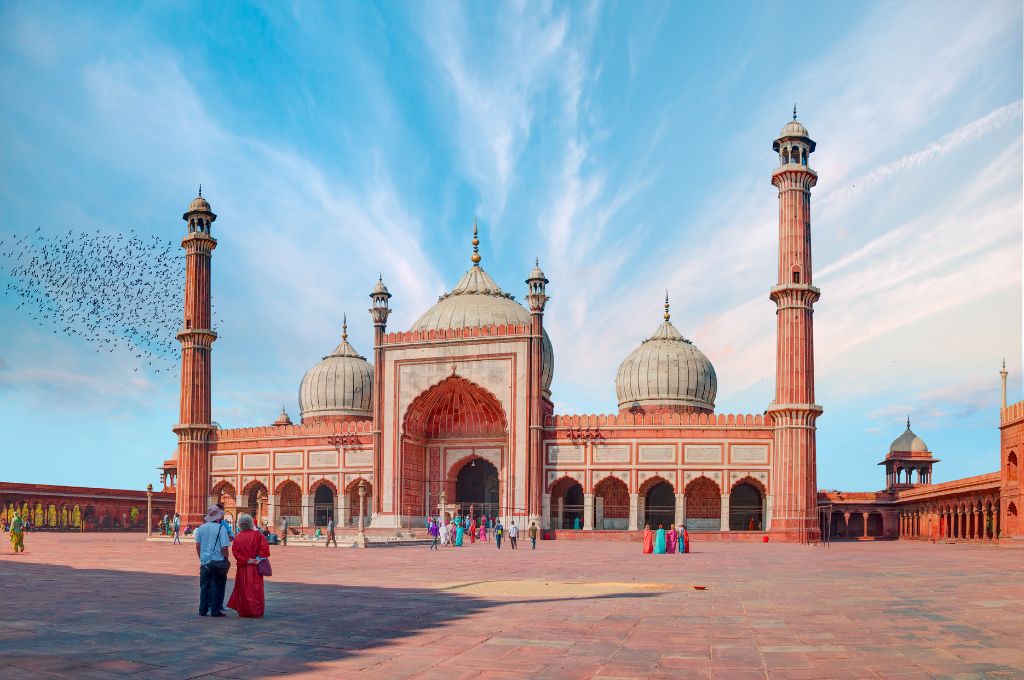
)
(340, 387)
(477, 301)
(908, 442)
(666, 373)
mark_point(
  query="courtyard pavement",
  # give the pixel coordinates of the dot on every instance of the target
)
(112, 605)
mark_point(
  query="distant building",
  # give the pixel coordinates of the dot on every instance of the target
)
(79, 507)
(984, 508)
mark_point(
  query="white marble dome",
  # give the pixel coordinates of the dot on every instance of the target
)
(340, 385)
(476, 301)
(666, 371)
(794, 128)
(908, 442)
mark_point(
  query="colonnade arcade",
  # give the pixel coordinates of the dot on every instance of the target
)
(610, 505)
(964, 519)
(321, 502)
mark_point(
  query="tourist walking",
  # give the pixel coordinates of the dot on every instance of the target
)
(17, 533)
(533, 535)
(513, 535)
(433, 532)
(684, 545)
(483, 528)
(499, 531)
(460, 531)
(672, 537)
(444, 533)
(330, 533)
(177, 530)
(212, 544)
(660, 540)
(165, 526)
(249, 548)
(648, 540)
(472, 530)
(284, 531)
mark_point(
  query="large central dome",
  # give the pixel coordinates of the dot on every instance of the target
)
(666, 373)
(477, 301)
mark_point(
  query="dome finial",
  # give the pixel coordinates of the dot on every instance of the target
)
(794, 110)
(667, 315)
(200, 191)
(476, 245)
(344, 326)
(908, 421)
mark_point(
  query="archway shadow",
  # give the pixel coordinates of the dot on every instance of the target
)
(64, 622)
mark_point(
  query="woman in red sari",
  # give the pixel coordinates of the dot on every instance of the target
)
(648, 539)
(248, 548)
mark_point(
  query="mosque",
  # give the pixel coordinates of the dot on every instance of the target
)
(456, 414)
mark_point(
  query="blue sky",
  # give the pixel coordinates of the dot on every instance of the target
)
(628, 145)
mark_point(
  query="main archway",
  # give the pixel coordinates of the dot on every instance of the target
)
(476, 488)
(455, 420)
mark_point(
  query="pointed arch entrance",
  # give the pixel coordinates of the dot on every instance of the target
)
(451, 426)
(476, 488)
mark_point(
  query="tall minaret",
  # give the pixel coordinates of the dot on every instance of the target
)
(196, 337)
(537, 298)
(794, 511)
(380, 310)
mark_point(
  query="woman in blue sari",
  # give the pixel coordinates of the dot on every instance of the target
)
(660, 541)
(459, 531)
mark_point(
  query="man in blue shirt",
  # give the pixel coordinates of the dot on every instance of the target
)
(212, 544)
(227, 524)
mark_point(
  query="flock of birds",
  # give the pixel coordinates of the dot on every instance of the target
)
(118, 292)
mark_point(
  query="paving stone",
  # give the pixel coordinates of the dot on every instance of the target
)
(112, 606)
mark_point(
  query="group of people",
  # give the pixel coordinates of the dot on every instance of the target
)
(214, 540)
(453, 532)
(660, 542)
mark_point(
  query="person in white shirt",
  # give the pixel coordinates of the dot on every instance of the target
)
(212, 544)
(513, 535)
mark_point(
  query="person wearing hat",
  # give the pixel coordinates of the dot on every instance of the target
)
(212, 544)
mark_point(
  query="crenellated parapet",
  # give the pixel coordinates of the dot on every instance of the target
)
(432, 334)
(315, 429)
(1012, 413)
(690, 419)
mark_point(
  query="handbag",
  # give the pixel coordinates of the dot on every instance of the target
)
(263, 567)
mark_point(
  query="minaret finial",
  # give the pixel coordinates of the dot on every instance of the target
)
(667, 315)
(794, 110)
(344, 326)
(536, 263)
(908, 421)
(476, 246)
(200, 191)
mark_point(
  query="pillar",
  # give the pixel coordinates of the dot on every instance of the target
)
(680, 509)
(561, 512)
(634, 511)
(865, 516)
(725, 513)
(272, 518)
(588, 511)
(308, 511)
(545, 513)
(536, 298)
(599, 512)
(343, 513)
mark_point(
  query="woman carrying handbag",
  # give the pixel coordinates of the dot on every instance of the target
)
(252, 563)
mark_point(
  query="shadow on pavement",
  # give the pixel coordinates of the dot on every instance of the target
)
(107, 624)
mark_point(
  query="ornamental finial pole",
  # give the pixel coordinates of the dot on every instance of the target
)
(344, 326)
(667, 315)
(794, 110)
(476, 246)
